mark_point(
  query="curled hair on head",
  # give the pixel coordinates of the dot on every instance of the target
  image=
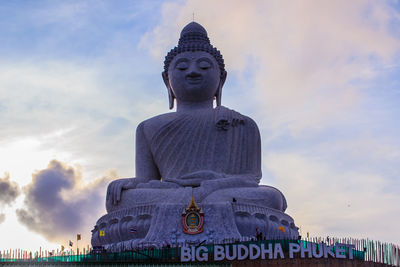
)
(209, 49)
(194, 38)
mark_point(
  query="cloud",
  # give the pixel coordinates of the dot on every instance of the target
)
(58, 205)
(335, 201)
(76, 83)
(318, 79)
(312, 74)
(9, 190)
(67, 108)
(304, 64)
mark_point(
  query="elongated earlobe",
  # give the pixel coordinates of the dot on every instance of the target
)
(171, 96)
(218, 95)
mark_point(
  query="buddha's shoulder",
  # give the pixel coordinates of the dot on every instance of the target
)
(153, 124)
(224, 113)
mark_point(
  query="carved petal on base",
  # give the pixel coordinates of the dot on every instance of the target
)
(272, 224)
(156, 225)
(126, 224)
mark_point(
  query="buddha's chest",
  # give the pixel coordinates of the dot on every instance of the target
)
(193, 144)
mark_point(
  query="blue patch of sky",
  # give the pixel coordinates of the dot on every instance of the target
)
(239, 88)
(338, 153)
(375, 120)
(135, 68)
(394, 20)
(375, 123)
(382, 100)
(116, 125)
(33, 28)
(97, 35)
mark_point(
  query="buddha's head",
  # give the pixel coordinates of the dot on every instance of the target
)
(194, 71)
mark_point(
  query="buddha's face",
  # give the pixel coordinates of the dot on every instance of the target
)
(194, 76)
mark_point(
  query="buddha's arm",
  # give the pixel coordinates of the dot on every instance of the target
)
(146, 169)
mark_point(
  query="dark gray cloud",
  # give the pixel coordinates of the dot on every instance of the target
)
(58, 205)
(9, 190)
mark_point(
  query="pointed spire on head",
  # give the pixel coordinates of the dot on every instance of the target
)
(193, 32)
(193, 35)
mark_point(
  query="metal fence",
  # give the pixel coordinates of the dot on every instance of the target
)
(364, 249)
(374, 251)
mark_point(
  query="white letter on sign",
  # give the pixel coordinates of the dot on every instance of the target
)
(264, 251)
(278, 250)
(328, 250)
(243, 252)
(219, 254)
(254, 251)
(293, 247)
(186, 254)
(340, 251)
(306, 249)
(320, 250)
(351, 247)
(203, 256)
(228, 255)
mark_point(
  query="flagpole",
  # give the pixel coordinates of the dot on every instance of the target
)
(78, 237)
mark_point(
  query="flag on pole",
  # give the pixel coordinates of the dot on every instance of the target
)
(102, 233)
(70, 243)
(133, 230)
(281, 228)
(78, 237)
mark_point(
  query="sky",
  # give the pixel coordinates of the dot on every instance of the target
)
(320, 78)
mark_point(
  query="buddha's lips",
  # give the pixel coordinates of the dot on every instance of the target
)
(194, 79)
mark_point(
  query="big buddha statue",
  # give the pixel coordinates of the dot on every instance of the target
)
(201, 156)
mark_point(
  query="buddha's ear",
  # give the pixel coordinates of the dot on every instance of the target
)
(219, 90)
(171, 96)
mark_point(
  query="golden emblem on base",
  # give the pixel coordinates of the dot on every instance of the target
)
(192, 219)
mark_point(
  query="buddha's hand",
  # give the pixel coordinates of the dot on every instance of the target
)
(195, 179)
(115, 188)
(204, 175)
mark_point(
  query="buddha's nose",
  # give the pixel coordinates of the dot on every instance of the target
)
(193, 74)
(193, 71)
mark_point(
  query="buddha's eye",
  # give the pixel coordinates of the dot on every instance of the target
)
(204, 65)
(182, 65)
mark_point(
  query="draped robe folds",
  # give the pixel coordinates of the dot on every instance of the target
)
(217, 143)
(213, 155)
